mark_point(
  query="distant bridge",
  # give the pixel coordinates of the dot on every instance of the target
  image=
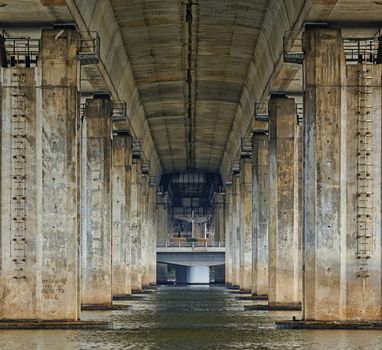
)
(195, 257)
(191, 253)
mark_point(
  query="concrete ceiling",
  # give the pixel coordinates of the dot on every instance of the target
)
(26, 13)
(156, 37)
(233, 49)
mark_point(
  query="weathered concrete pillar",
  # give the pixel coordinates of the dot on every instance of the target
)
(96, 233)
(121, 238)
(246, 207)
(236, 228)
(322, 229)
(260, 213)
(363, 220)
(145, 234)
(219, 217)
(298, 213)
(39, 174)
(162, 217)
(152, 231)
(283, 226)
(228, 230)
(341, 183)
(135, 223)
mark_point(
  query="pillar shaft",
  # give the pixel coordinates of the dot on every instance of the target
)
(39, 174)
(260, 214)
(236, 229)
(121, 239)
(283, 226)
(96, 234)
(246, 208)
(162, 218)
(341, 184)
(135, 224)
(152, 231)
(363, 147)
(145, 234)
(219, 226)
(228, 230)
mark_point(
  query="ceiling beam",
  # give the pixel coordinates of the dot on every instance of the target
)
(115, 69)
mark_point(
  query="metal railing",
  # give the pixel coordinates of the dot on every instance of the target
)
(360, 51)
(191, 245)
(119, 112)
(261, 112)
(300, 113)
(90, 47)
(20, 52)
(293, 49)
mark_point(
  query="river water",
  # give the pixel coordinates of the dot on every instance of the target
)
(190, 317)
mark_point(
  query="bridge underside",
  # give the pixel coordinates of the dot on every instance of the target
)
(130, 126)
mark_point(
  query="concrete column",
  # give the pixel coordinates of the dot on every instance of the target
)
(236, 229)
(96, 234)
(145, 234)
(260, 213)
(152, 231)
(228, 230)
(121, 239)
(135, 224)
(162, 218)
(341, 184)
(298, 213)
(219, 217)
(363, 207)
(39, 202)
(246, 207)
(283, 226)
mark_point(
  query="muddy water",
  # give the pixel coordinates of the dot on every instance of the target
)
(190, 318)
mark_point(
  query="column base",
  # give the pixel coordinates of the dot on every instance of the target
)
(128, 297)
(233, 287)
(283, 307)
(300, 324)
(143, 291)
(239, 291)
(95, 307)
(27, 324)
(252, 297)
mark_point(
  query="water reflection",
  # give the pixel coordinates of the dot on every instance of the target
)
(190, 318)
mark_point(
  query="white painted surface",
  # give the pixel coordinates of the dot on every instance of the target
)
(199, 274)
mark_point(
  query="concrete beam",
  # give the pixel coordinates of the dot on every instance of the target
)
(267, 61)
(115, 69)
